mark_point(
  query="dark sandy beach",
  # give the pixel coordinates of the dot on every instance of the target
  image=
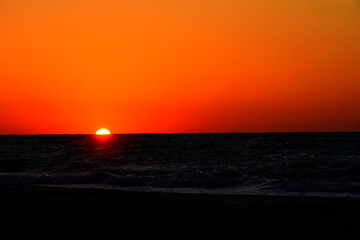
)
(29, 212)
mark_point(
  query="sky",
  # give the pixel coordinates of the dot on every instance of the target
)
(159, 66)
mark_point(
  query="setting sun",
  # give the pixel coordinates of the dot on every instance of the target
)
(102, 131)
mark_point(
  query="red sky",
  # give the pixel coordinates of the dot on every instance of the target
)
(145, 66)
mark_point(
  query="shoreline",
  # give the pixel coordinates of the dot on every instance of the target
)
(343, 195)
(38, 212)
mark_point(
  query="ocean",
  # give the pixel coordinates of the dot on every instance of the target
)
(305, 164)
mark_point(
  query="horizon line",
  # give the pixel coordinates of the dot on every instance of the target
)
(168, 133)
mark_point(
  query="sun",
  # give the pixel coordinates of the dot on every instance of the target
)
(103, 131)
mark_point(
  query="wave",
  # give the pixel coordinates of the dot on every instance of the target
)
(206, 184)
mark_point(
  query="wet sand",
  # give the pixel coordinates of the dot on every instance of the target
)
(30, 212)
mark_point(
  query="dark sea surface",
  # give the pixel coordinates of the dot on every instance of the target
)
(306, 164)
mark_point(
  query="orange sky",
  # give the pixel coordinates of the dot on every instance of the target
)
(145, 66)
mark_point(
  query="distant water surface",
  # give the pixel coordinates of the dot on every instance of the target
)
(321, 164)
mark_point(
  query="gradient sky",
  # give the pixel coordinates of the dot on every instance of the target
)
(145, 66)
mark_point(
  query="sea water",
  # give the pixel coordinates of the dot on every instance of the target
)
(307, 164)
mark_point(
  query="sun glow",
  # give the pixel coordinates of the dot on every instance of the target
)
(103, 131)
